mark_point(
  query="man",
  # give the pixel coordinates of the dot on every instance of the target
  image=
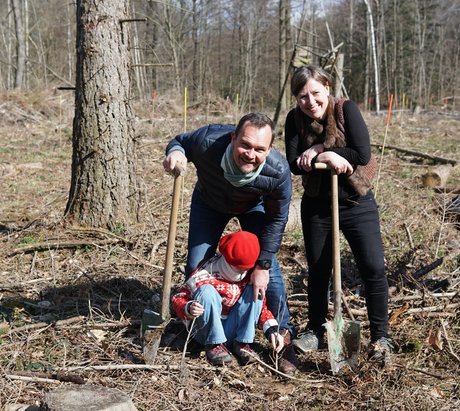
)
(240, 175)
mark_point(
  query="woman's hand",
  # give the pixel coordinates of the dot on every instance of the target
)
(195, 309)
(305, 159)
(336, 162)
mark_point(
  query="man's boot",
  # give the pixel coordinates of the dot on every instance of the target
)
(288, 360)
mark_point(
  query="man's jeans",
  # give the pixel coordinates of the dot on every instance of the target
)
(205, 230)
(240, 324)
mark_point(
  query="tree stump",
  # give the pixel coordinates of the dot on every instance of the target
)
(437, 176)
(20, 407)
(88, 398)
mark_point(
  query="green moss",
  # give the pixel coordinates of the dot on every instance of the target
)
(412, 345)
(27, 240)
(119, 229)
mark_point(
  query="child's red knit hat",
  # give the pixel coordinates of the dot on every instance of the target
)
(240, 249)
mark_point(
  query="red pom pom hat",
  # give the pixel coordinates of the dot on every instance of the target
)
(240, 249)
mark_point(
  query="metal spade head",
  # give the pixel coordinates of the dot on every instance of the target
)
(152, 327)
(343, 339)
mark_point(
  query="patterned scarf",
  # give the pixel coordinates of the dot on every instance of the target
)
(232, 173)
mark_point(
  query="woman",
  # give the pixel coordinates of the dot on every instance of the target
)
(324, 129)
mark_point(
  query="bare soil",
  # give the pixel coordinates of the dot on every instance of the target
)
(71, 298)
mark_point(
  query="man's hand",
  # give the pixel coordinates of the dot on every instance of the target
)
(173, 160)
(259, 281)
(277, 341)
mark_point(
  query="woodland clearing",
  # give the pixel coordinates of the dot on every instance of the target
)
(71, 298)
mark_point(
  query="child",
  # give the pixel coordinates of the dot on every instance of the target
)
(218, 295)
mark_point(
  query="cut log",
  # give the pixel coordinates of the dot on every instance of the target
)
(87, 397)
(437, 176)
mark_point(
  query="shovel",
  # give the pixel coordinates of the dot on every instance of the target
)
(343, 337)
(153, 323)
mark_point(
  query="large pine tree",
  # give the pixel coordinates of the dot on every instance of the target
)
(104, 188)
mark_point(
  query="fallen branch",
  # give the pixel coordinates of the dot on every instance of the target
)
(423, 296)
(419, 154)
(430, 373)
(427, 268)
(32, 379)
(102, 232)
(22, 285)
(124, 367)
(57, 324)
(409, 236)
(446, 336)
(60, 245)
(282, 373)
(443, 308)
(110, 325)
(58, 376)
(351, 311)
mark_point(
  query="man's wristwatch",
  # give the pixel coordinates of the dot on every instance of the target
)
(265, 264)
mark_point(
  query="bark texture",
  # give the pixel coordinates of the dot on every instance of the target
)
(104, 189)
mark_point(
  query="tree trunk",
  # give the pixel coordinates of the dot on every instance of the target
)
(104, 189)
(20, 45)
(174, 44)
(195, 62)
(374, 57)
(367, 64)
(338, 78)
(151, 40)
(283, 57)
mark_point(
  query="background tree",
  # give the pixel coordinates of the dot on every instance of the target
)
(20, 44)
(284, 49)
(104, 188)
(221, 48)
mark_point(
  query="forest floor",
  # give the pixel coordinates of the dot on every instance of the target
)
(66, 308)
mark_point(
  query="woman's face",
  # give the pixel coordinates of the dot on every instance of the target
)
(313, 99)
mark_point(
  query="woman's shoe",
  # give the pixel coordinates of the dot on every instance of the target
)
(309, 341)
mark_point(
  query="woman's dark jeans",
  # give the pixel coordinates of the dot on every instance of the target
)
(359, 222)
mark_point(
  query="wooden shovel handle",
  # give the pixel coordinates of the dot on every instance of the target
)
(337, 275)
(167, 276)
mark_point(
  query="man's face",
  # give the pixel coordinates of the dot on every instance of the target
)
(251, 147)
